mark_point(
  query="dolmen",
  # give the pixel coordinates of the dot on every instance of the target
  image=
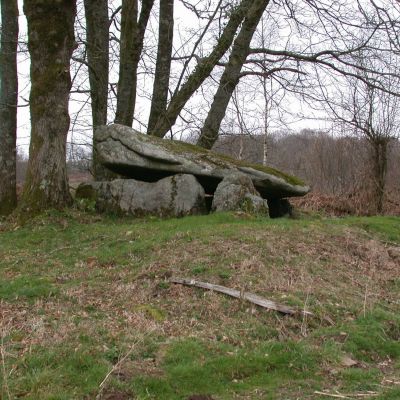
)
(172, 178)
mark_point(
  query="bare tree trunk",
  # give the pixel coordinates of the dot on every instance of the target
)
(202, 71)
(241, 147)
(265, 149)
(132, 35)
(380, 149)
(266, 120)
(265, 95)
(51, 43)
(242, 130)
(97, 39)
(231, 75)
(163, 65)
(8, 105)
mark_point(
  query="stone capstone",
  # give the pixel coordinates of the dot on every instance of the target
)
(148, 158)
(175, 196)
(236, 192)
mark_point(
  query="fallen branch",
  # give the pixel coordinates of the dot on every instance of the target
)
(337, 396)
(252, 298)
(347, 396)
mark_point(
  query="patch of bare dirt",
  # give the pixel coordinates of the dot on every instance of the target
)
(117, 395)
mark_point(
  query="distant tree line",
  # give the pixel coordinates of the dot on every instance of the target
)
(339, 166)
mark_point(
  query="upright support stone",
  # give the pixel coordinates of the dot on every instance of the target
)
(174, 196)
(237, 193)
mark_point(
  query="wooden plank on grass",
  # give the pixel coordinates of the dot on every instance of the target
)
(252, 298)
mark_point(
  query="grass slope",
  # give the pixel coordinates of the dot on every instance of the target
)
(82, 294)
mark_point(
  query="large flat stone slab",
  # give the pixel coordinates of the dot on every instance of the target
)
(148, 158)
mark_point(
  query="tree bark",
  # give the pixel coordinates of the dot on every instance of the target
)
(231, 75)
(97, 39)
(380, 147)
(163, 64)
(8, 105)
(51, 43)
(202, 71)
(132, 35)
(266, 120)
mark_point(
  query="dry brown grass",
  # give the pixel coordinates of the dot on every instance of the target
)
(340, 273)
(335, 270)
(357, 203)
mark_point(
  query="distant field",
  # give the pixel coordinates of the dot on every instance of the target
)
(87, 310)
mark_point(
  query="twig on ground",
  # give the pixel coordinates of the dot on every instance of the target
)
(119, 363)
(3, 366)
(390, 382)
(365, 300)
(347, 396)
(60, 248)
(304, 322)
(238, 294)
(337, 396)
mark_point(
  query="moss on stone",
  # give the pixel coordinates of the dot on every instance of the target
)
(179, 147)
(175, 146)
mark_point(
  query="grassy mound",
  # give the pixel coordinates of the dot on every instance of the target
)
(87, 310)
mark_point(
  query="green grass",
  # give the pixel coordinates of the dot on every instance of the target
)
(61, 372)
(81, 294)
(388, 228)
(24, 287)
(194, 367)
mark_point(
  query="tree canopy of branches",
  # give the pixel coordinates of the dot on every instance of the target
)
(372, 114)
(186, 79)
